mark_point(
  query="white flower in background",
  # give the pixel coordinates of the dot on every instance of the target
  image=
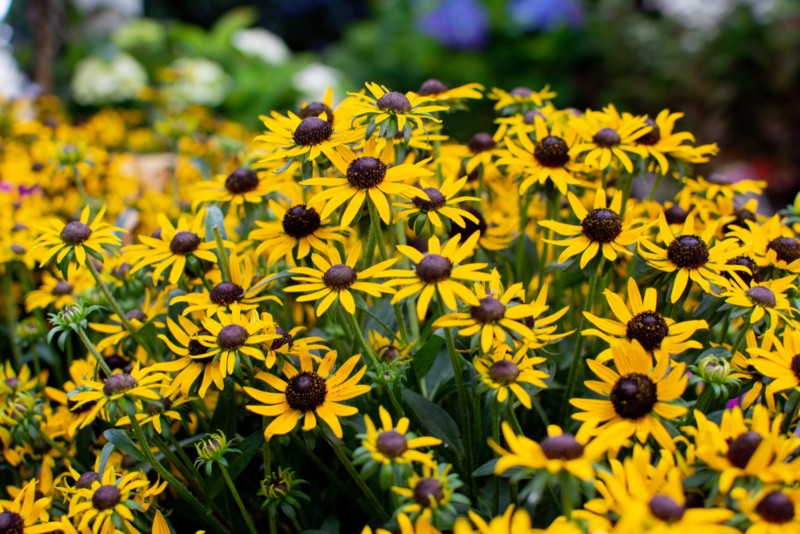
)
(197, 81)
(262, 44)
(99, 80)
(313, 80)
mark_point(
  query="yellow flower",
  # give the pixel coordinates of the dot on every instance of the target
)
(441, 203)
(433, 490)
(232, 335)
(241, 186)
(309, 394)
(634, 395)
(514, 520)
(120, 392)
(770, 510)
(762, 299)
(502, 372)
(333, 280)
(520, 99)
(24, 513)
(393, 112)
(393, 444)
(777, 359)
(436, 91)
(116, 332)
(608, 136)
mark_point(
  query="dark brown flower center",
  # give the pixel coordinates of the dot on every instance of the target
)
(119, 383)
(551, 152)
(428, 490)
(226, 293)
(606, 138)
(184, 243)
(195, 347)
(776, 507)
(481, 142)
(786, 248)
(751, 274)
(315, 109)
(653, 136)
(530, 116)
(391, 443)
(489, 310)
(561, 447)
(601, 225)
(121, 271)
(394, 102)
(300, 221)
(312, 131)
(633, 396)
(434, 268)
(741, 449)
(75, 233)
(431, 87)
(241, 181)
(11, 523)
(503, 372)
(666, 509)
(795, 365)
(105, 497)
(231, 337)
(61, 288)
(761, 296)
(136, 315)
(85, 480)
(285, 339)
(339, 277)
(389, 353)
(648, 328)
(366, 172)
(434, 201)
(521, 91)
(306, 391)
(115, 361)
(688, 251)
(469, 227)
(675, 214)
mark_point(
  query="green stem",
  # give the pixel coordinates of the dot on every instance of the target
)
(79, 185)
(93, 351)
(187, 470)
(742, 336)
(575, 365)
(551, 214)
(376, 505)
(655, 187)
(496, 438)
(118, 311)
(463, 399)
(365, 346)
(520, 252)
(204, 512)
(237, 498)
(273, 524)
(512, 418)
(224, 266)
(57, 446)
(566, 502)
(11, 319)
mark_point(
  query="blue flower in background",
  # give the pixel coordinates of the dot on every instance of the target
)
(459, 24)
(547, 14)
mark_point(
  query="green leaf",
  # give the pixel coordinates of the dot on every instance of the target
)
(435, 419)
(224, 417)
(248, 448)
(214, 218)
(121, 441)
(105, 454)
(425, 356)
(486, 469)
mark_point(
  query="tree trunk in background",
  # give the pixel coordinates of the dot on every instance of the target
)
(41, 17)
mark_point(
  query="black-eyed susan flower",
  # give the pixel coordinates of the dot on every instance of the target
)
(286, 342)
(437, 91)
(435, 490)
(770, 510)
(119, 394)
(439, 271)
(504, 369)
(547, 160)
(367, 177)
(689, 256)
(778, 359)
(334, 279)
(498, 224)
(12, 381)
(516, 520)
(607, 137)
(441, 203)
(421, 525)
(772, 243)
(296, 231)
(243, 290)
(391, 445)
(391, 111)
(75, 240)
(636, 394)
(740, 447)
(232, 335)
(719, 185)
(154, 305)
(192, 359)
(56, 292)
(109, 500)
(601, 231)
(389, 350)
(172, 248)
(662, 141)
(496, 318)
(308, 394)
(241, 186)
(25, 513)
(763, 299)
(640, 320)
(520, 99)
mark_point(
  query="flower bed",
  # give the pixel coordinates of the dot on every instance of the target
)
(354, 321)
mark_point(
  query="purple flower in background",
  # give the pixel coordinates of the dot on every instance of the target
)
(459, 24)
(547, 14)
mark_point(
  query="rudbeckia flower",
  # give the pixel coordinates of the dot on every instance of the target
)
(608, 137)
(502, 371)
(393, 444)
(25, 512)
(778, 359)
(520, 99)
(763, 299)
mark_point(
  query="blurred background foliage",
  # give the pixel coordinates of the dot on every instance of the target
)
(731, 65)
